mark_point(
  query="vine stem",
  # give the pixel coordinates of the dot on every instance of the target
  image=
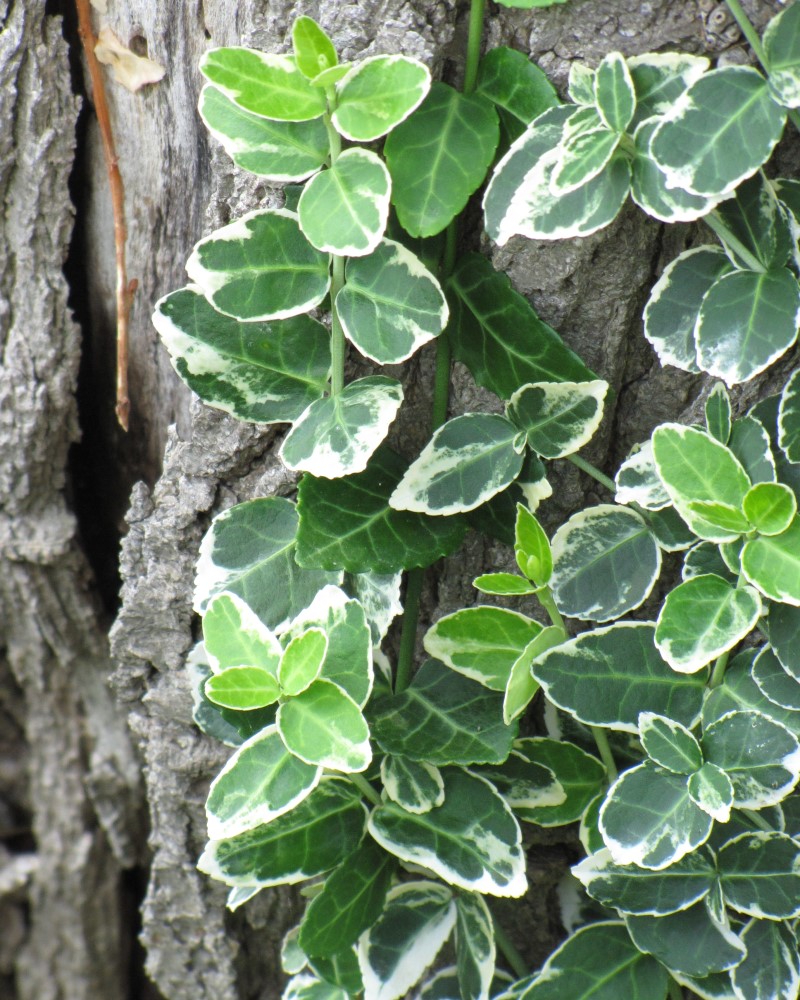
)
(509, 950)
(675, 990)
(365, 787)
(713, 221)
(593, 471)
(719, 669)
(338, 343)
(476, 12)
(545, 596)
(604, 750)
(758, 820)
(408, 635)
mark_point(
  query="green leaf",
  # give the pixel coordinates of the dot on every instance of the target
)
(789, 418)
(323, 725)
(583, 157)
(642, 891)
(702, 618)
(746, 321)
(340, 971)
(336, 436)
(229, 727)
(770, 507)
(605, 562)
(669, 744)
(283, 152)
(614, 92)
(705, 558)
(524, 783)
(750, 443)
(439, 157)
(475, 947)
(503, 585)
(717, 986)
(260, 782)
(599, 962)
(268, 85)
(467, 461)
(579, 774)
(650, 820)
(671, 313)
(720, 517)
(782, 60)
(608, 676)
(759, 874)
(772, 564)
(343, 209)
(348, 523)
(314, 837)
(477, 849)
(242, 688)
(637, 480)
(718, 413)
(308, 987)
(234, 636)
(726, 109)
(558, 418)
(739, 691)
(260, 267)
(442, 718)
(264, 372)
(406, 938)
(711, 789)
(415, 786)
(771, 967)
(532, 548)
(482, 643)
(659, 79)
(391, 304)
(331, 76)
(691, 941)
(581, 84)
(302, 661)
(249, 551)
(515, 84)
(670, 530)
(313, 50)
(775, 682)
(377, 94)
(694, 466)
(784, 636)
(350, 901)
(521, 686)
(754, 217)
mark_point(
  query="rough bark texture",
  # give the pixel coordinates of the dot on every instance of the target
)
(72, 792)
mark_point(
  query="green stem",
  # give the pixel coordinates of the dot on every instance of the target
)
(338, 342)
(604, 750)
(545, 596)
(719, 670)
(365, 788)
(509, 950)
(758, 820)
(675, 990)
(593, 471)
(408, 636)
(713, 221)
(476, 11)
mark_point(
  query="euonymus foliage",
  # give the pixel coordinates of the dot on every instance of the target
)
(397, 796)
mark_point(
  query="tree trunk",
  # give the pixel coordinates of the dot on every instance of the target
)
(103, 775)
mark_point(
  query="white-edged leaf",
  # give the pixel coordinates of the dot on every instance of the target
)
(759, 875)
(669, 744)
(521, 685)
(475, 946)
(323, 725)
(775, 681)
(416, 786)
(789, 418)
(659, 79)
(771, 967)
(711, 789)
(614, 94)
(583, 157)
(233, 636)
(558, 418)
(579, 775)
(772, 564)
(302, 661)
(242, 688)
(637, 480)
(782, 55)
(378, 93)
(690, 941)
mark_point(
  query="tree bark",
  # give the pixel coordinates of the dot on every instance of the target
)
(87, 766)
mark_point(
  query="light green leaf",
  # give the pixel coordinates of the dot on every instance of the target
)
(772, 564)
(770, 507)
(608, 676)
(264, 372)
(313, 49)
(583, 157)
(439, 157)
(774, 681)
(650, 820)
(503, 585)
(637, 480)
(599, 962)
(614, 92)
(343, 210)
(746, 321)
(293, 959)
(242, 688)
(728, 109)
(377, 94)
(268, 85)
(720, 517)
(249, 551)
(512, 82)
(406, 938)
(348, 523)
(521, 686)
(323, 725)
(558, 418)
(782, 59)
(532, 547)
(477, 849)
(702, 618)
(771, 967)
(336, 436)
(442, 718)
(415, 786)
(605, 562)
(260, 782)
(659, 79)
(497, 335)
(475, 947)
(789, 418)
(581, 84)
(759, 874)
(482, 643)
(669, 744)
(718, 413)
(234, 636)
(691, 941)
(391, 304)
(302, 661)
(284, 152)
(260, 267)
(580, 775)
(226, 725)
(671, 313)
(642, 891)
(314, 837)
(711, 789)
(467, 461)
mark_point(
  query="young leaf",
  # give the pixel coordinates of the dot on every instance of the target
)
(313, 50)
(789, 419)
(515, 84)
(558, 418)
(498, 336)
(242, 688)
(468, 460)
(521, 686)
(439, 156)
(377, 94)
(343, 210)
(728, 108)
(478, 849)
(234, 636)
(772, 564)
(268, 85)
(770, 507)
(720, 518)
(532, 548)
(260, 267)
(481, 643)
(391, 304)
(229, 727)
(323, 725)
(605, 562)
(718, 413)
(782, 56)
(759, 874)
(475, 946)
(771, 967)
(302, 661)
(260, 782)
(415, 786)
(579, 774)
(503, 585)
(608, 676)
(284, 152)
(336, 436)
(691, 941)
(669, 744)
(614, 92)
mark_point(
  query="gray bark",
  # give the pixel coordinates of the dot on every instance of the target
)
(85, 766)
